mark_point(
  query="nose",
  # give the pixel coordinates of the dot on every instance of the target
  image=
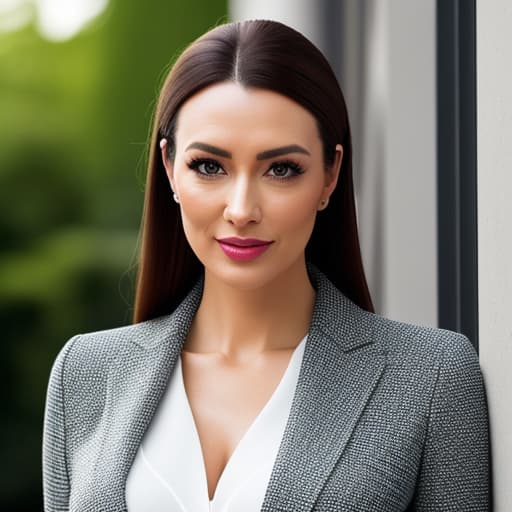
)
(242, 203)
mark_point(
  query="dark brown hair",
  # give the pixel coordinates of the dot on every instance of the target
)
(256, 54)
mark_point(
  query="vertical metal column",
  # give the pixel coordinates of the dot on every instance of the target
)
(457, 193)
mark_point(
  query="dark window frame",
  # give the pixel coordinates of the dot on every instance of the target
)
(457, 167)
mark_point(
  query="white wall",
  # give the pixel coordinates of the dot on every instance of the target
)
(409, 272)
(494, 86)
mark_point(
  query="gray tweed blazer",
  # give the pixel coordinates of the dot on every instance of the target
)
(386, 416)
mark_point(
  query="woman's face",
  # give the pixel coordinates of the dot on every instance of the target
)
(250, 178)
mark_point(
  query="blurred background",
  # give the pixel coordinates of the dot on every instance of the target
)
(78, 83)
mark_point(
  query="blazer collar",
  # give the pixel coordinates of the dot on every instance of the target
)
(136, 383)
(340, 369)
(348, 326)
(333, 313)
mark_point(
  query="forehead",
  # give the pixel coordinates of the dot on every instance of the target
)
(229, 111)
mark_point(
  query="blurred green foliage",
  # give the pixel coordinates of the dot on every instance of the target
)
(74, 119)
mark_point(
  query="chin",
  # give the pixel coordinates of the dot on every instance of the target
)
(244, 276)
(250, 276)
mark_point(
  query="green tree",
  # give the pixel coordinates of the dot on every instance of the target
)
(74, 119)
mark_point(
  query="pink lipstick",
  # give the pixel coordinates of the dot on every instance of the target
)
(243, 249)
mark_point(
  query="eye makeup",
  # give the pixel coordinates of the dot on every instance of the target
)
(208, 168)
(205, 167)
(292, 169)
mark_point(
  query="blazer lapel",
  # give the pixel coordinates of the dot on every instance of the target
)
(340, 369)
(136, 384)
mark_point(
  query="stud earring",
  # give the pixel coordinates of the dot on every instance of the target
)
(175, 197)
(323, 204)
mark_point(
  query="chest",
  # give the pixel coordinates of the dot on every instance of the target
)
(352, 432)
(225, 400)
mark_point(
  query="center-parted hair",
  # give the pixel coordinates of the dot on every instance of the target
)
(259, 54)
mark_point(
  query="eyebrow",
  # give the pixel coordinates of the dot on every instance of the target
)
(209, 149)
(264, 155)
(284, 150)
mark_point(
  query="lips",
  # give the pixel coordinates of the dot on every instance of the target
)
(243, 249)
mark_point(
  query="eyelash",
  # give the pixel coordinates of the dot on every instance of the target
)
(294, 167)
(195, 164)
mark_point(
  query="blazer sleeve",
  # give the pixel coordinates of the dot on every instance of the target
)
(55, 472)
(454, 473)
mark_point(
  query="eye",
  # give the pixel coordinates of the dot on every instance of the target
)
(285, 170)
(205, 167)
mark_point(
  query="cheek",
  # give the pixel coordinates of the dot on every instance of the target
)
(201, 209)
(198, 212)
(294, 214)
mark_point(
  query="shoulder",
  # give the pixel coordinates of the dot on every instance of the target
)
(433, 371)
(81, 377)
(86, 359)
(413, 353)
(440, 365)
(403, 343)
(104, 344)
(421, 348)
(402, 340)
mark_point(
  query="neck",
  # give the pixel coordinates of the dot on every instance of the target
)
(241, 323)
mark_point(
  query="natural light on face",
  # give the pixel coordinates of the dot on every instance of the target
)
(248, 165)
(56, 20)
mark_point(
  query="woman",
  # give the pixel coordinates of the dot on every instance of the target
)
(256, 376)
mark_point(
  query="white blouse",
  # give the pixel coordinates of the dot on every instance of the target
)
(168, 472)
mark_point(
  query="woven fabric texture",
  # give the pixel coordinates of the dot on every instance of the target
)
(386, 416)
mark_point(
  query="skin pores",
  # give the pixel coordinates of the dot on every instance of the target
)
(249, 164)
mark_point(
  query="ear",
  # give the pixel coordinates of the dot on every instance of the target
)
(169, 167)
(333, 172)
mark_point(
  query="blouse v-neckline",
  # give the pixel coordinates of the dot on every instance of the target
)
(170, 460)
